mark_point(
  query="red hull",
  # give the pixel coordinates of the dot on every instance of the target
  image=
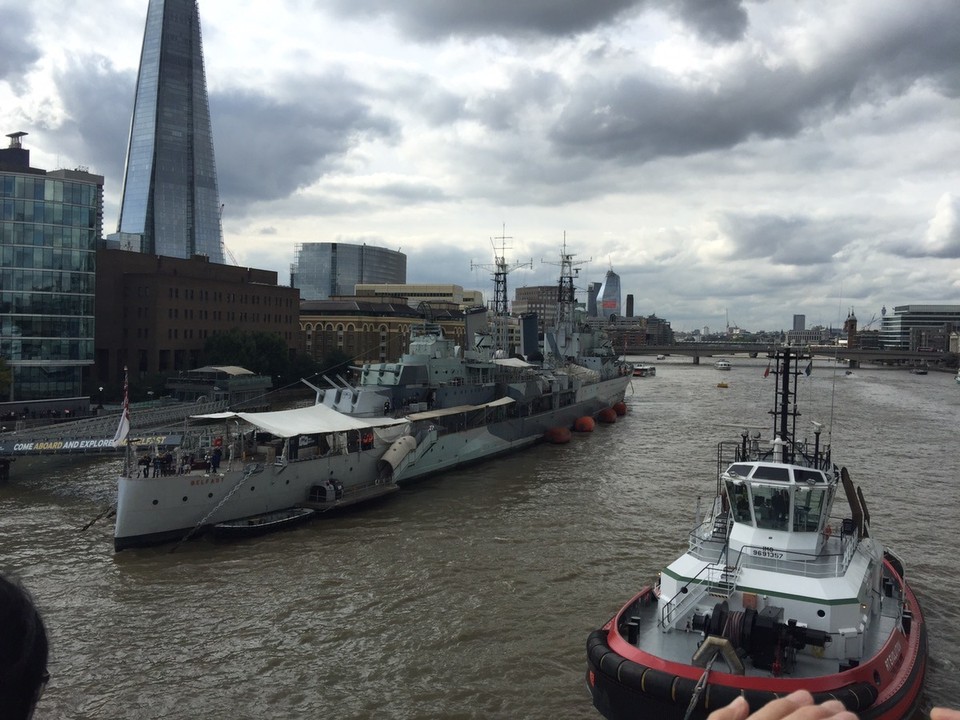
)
(627, 682)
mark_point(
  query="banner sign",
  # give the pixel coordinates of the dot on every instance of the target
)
(24, 447)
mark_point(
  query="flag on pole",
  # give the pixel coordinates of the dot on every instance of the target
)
(767, 371)
(123, 429)
(808, 368)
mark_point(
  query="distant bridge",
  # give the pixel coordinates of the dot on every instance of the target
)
(855, 356)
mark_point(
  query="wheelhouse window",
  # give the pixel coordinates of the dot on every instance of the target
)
(808, 504)
(771, 507)
(739, 502)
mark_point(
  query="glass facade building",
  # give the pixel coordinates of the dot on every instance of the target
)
(609, 297)
(50, 226)
(325, 270)
(912, 327)
(170, 196)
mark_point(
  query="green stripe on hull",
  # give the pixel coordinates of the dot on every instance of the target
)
(765, 591)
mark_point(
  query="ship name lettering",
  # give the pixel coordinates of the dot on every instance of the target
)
(893, 659)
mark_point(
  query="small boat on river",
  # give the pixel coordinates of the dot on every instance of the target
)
(644, 370)
(778, 590)
(722, 365)
(262, 524)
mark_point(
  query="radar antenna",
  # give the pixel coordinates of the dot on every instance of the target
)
(500, 269)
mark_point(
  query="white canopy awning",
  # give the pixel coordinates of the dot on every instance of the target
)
(431, 414)
(302, 421)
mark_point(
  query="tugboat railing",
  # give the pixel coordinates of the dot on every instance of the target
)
(689, 594)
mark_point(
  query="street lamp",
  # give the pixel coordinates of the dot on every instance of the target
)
(150, 395)
(100, 399)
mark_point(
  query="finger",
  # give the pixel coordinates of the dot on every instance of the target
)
(782, 707)
(738, 709)
(942, 713)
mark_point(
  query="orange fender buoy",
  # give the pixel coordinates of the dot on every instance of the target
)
(584, 424)
(557, 435)
(620, 408)
(607, 415)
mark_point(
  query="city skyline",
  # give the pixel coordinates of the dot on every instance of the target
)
(750, 160)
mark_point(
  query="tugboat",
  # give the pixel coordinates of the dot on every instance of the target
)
(775, 593)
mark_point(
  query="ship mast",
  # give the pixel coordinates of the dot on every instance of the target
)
(566, 292)
(500, 268)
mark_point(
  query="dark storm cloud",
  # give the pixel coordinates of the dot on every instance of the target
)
(98, 100)
(713, 21)
(437, 19)
(269, 147)
(17, 51)
(634, 119)
(785, 240)
(430, 20)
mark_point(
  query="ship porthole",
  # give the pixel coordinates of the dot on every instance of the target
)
(820, 613)
(252, 488)
(155, 502)
(288, 482)
(209, 495)
(184, 498)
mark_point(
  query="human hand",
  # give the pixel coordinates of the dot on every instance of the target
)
(942, 713)
(798, 705)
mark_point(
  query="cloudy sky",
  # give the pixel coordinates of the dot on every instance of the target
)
(728, 159)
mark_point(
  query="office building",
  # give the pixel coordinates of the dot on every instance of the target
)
(50, 225)
(435, 294)
(155, 313)
(593, 290)
(919, 327)
(170, 203)
(324, 270)
(799, 323)
(608, 303)
(540, 299)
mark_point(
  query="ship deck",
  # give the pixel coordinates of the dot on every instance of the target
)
(679, 645)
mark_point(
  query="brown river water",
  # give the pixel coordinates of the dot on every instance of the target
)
(467, 595)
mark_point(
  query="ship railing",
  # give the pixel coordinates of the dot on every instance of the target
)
(800, 564)
(690, 594)
(722, 579)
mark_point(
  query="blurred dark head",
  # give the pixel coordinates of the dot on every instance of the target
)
(23, 652)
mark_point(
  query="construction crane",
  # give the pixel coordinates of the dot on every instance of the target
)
(223, 246)
(500, 270)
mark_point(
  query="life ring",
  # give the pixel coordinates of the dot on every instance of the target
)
(218, 441)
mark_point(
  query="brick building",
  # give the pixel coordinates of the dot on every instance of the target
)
(154, 313)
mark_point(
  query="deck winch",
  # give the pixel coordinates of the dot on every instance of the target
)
(763, 636)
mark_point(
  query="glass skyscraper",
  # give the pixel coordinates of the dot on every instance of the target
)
(50, 225)
(323, 270)
(609, 297)
(170, 196)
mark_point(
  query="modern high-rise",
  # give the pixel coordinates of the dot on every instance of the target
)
(50, 225)
(170, 202)
(912, 327)
(324, 270)
(799, 323)
(609, 297)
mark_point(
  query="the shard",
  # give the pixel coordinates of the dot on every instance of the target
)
(170, 197)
